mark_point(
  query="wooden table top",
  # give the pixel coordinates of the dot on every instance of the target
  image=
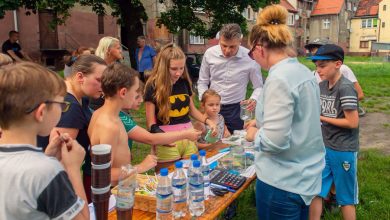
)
(213, 206)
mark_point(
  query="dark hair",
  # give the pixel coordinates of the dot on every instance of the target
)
(117, 76)
(86, 64)
(12, 33)
(24, 85)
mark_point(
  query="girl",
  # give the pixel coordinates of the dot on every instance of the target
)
(287, 132)
(211, 105)
(168, 104)
(83, 83)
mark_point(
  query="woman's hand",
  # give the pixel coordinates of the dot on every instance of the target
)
(251, 123)
(251, 104)
(251, 133)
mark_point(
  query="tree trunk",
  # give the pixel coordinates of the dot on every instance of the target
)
(131, 26)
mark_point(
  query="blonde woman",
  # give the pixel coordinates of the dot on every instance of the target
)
(169, 104)
(109, 49)
(287, 130)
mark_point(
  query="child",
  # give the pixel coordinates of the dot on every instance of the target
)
(340, 130)
(120, 84)
(211, 105)
(141, 135)
(35, 185)
(168, 104)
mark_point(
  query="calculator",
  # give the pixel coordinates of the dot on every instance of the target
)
(224, 178)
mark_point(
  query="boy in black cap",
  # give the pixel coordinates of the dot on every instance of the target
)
(340, 130)
(313, 46)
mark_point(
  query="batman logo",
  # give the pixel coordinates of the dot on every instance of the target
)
(180, 105)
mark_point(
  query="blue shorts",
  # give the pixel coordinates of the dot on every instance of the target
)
(340, 169)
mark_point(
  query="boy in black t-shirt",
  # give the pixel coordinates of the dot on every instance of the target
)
(13, 49)
(340, 130)
(34, 184)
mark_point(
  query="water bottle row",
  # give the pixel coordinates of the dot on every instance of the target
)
(174, 197)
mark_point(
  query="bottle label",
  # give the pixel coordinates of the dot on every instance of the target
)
(124, 202)
(161, 196)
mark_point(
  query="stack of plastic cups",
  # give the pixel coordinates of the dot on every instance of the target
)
(101, 178)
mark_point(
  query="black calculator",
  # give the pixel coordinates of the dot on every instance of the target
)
(224, 178)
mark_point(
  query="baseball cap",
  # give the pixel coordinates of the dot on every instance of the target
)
(317, 43)
(328, 52)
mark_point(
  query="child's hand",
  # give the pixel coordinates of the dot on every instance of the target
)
(148, 163)
(213, 127)
(192, 134)
(73, 156)
(53, 149)
(251, 133)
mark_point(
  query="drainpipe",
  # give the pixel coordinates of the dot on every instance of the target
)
(15, 21)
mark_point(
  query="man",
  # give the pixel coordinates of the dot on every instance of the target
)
(13, 49)
(227, 69)
(145, 55)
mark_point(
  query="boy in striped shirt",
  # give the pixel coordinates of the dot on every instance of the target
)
(340, 131)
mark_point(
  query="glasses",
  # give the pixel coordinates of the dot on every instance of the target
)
(250, 54)
(64, 106)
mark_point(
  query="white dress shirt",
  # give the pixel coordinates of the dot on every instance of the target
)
(229, 76)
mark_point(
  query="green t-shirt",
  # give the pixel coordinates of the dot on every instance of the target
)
(128, 123)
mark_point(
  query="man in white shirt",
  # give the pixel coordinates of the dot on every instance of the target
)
(227, 69)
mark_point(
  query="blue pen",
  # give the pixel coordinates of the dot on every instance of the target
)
(223, 187)
(224, 150)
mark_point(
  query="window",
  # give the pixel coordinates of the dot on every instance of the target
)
(325, 23)
(196, 39)
(290, 19)
(384, 7)
(246, 14)
(383, 24)
(100, 24)
(363, 44)
(349, 6)
(369, 23)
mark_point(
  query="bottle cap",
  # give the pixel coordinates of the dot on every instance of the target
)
(194, 157)
(164, 172)
(202, 153)
(179, 164)
(196, 163)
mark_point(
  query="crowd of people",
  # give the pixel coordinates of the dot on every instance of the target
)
(305, 130)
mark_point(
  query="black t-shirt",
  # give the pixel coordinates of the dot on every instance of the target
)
(7, 45)
(179, 99)
(77, 117)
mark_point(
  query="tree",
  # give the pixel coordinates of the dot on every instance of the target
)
(182, 15)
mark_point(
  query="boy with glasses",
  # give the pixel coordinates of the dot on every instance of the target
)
(35, 185)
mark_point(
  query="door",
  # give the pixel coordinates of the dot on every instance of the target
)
(48, 35)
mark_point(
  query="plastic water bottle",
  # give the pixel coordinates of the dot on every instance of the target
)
(196, 190)
(126, 190)
(164, 196)
(206, 173)
(179, 188)
(193, 158)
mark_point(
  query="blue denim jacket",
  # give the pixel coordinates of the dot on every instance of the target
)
(290, 147)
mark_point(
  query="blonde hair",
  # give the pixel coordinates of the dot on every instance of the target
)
(271, 30)
(160, 79)
(207, 94)
(104, 44)
(24, 85)
(5, 59)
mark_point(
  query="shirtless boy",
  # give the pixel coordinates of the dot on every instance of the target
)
(119, 84)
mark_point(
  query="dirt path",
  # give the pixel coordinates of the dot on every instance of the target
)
(375, 132)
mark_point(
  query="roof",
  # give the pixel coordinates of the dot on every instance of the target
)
(367, 8)
(327, 7)
(288, 6)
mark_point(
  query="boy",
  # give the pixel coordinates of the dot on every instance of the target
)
(340, 122)
(119, 84)
(34, 185)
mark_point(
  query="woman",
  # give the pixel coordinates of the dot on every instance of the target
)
(287, 131)
(84, 82)
(168, 104)
(69, 60)
(110, 50)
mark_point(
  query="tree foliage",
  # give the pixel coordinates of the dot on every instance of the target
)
(184, 15)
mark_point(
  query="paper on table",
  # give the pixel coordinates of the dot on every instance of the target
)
(111, 206)
(249, 172)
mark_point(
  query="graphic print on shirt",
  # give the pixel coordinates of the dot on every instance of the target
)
(179, 105)
(328, 106)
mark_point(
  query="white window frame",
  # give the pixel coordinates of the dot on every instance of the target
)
(326, 23)
(368, 23)
(246, 14)
(197, 40)
(291, 19)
